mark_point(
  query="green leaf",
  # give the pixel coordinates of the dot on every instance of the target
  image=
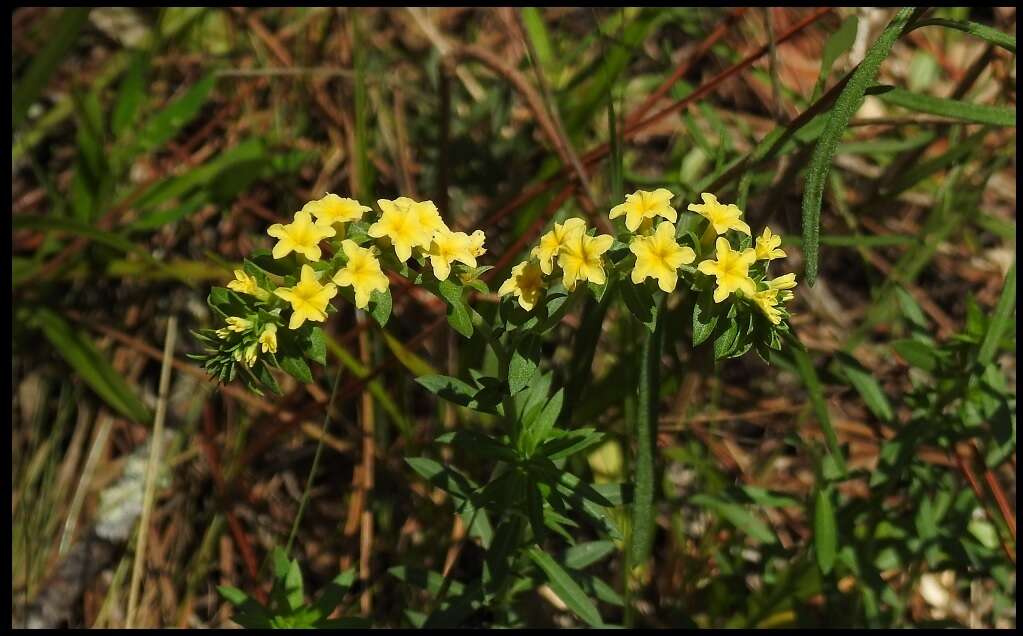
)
(296, 367)
(293, 587)
(332, 594)
(705, 317)
(952, 108)
(994, 36)
(58, 43)
(642, 302)
(78, 228)
(910, 308)
(536, 31)
(250, 614)
(825, 531)
(917, 354)
(167, 123)
(479, 443)
(1001, 320)
(737, 516)
(820, 407)
(79, 351)
(528, 403)
(768, 499)
(524, 361)
(459, 315)
(232, 595)
(566, 588)
(586, 554)
(131, 94)
(460, 488)
(448, 388)
(866, 385)
(845, 106)
(569, 443)
(316, 346)
(727, 338)
(426, 579)
(534, 508)
(838, 43)
(218, 180)
(540, 428)
(380, 306)
(506, 542)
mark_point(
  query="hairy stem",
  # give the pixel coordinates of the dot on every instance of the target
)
(646, 421)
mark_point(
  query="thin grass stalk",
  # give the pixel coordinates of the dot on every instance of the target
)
(316, 461)
(152, 468)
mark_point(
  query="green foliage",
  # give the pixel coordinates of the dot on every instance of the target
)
(846, 104)
(955, 109)
(288, 608)
(553, 444)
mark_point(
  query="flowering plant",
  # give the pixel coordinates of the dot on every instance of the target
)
(703, 263)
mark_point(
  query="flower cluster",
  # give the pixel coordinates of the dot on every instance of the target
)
(294, 283)
(656, 242)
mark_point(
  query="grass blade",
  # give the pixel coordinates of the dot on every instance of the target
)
(91, 366)
(167, 123)
(1001, 320)
(566, 588)
(45, 63)
(820, 408)
(976, 113)
(994, 36)
(845, 106)
(738, 516)
(825, 532)
(839, 42)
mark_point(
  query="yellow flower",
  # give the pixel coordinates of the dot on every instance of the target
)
(767, 246)
(268, 339)
(645, 205)
(250, 355)
(333, 209)
(722, 217)
(243, 283)
(526, 282)
(400, 222)
(238, 325)
(308, 298)
(580, 259)
(429, 217)
(476, 242)
(362, 272)
(659, 256)
(448, 247)
(552, 242)
(731, 270)
(767, 301)
(783, 284)
(301, 236)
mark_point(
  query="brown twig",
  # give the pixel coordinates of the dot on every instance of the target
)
(967, 472)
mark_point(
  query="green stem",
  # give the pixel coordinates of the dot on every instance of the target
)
(316, 461)
(641, 539)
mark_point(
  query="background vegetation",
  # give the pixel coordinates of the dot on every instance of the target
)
(866, 480)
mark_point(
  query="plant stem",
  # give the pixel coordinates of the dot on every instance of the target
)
(316, 461)
(641, 539)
